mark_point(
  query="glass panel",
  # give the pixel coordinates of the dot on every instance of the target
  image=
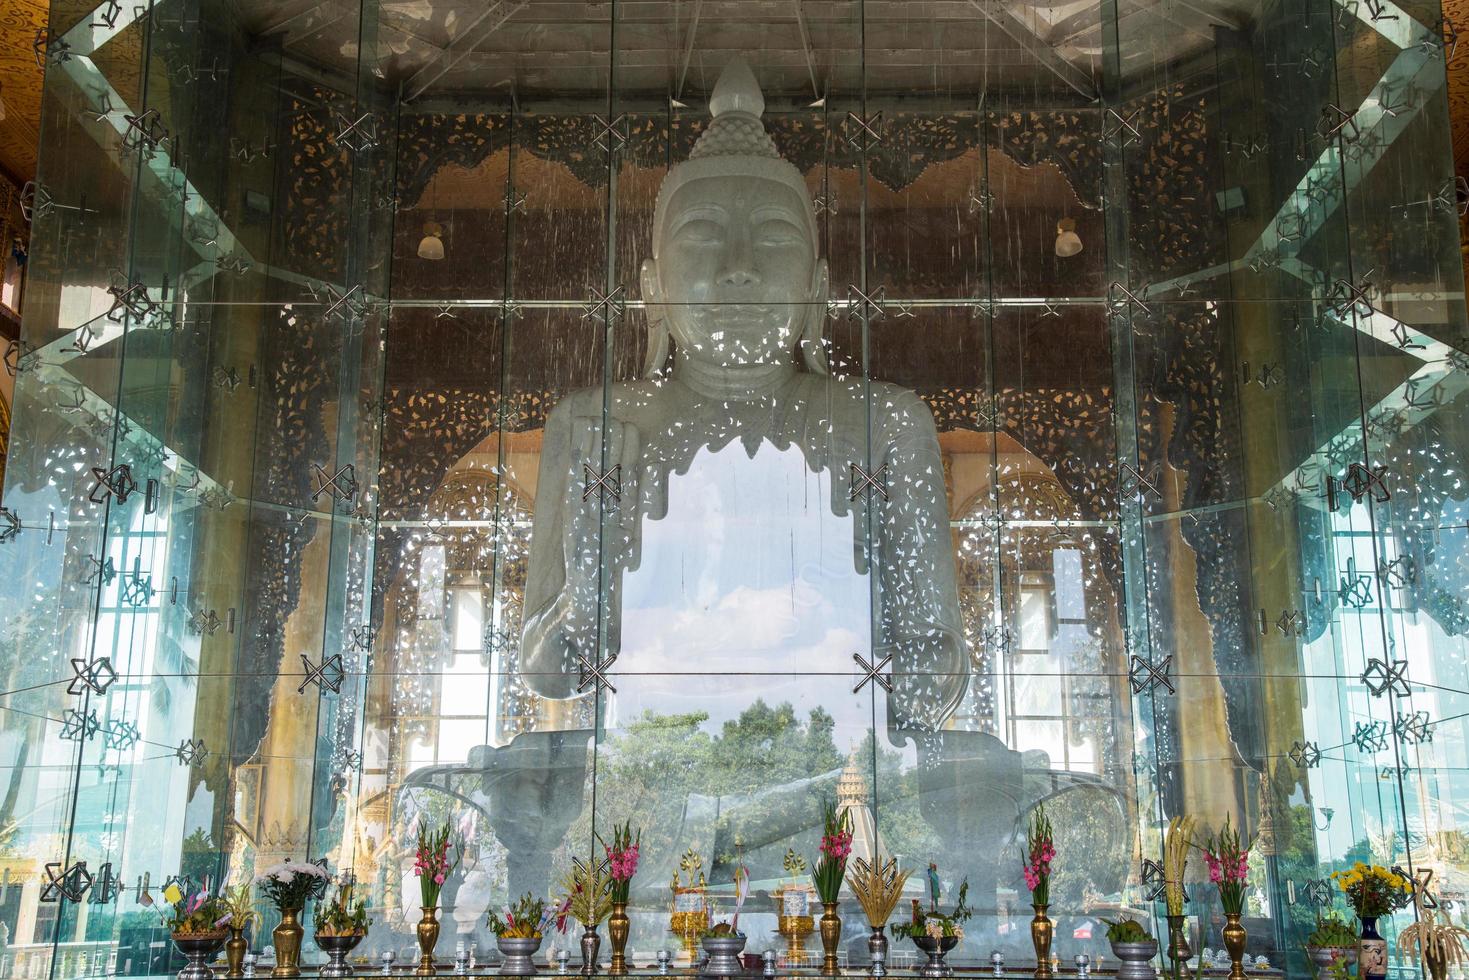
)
(442, 412)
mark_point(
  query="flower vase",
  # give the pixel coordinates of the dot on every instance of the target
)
(1042, 930)
(618, 926)
(428, 937)
(234, 954)
(1433, 960)
(287, 938)
(199, 949)
(1178, 948)
(936, 949)
(336, 948)
(831, 938)
(1234, 942)
(591, 945)
(1371, 951)
(877, 949)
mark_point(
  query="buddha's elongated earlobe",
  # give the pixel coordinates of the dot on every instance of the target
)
(653, 307)
(810, 345)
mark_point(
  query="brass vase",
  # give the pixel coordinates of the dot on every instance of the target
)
(287, 938)
(428, 937)
(234, 954)
(831, 938)
(1042, 930)
(1234, 942)
(618, 927)
(1434, 961)
(1178, 948)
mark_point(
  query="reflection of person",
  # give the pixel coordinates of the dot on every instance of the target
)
(736, 294)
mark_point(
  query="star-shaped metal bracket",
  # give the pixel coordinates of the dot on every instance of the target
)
(341, 485)
(1306, 755)
(866, 306)
(49, 47)
(498, 639)
(191, 752)
(602, 484)
(138, 590)
(327, 675)
(1355, 590)
(1121, 128)
(608, 307)
(1347, 297)
(356, 134)
(874, 672)
(1291, 622)
(94, 675)
(611, 136)
(10, 525)
(1381, 677)
(145, 130)
(1132, 484)
(1414, 729)
(1120, 299)
(863, 133)
(204, 622)
(116, 483)
(1317, 892)
(1400, 572)
(71, 884)
(865, 483)
(1155, 882)
(1145, 675)
(362, 638)
(349, 760)
(78, 727)
(107, 886)
(594, 674)
(121, 734)
(17, 356)
(1362, 481)
(1422, 880)
(1336, 121)
(1370, 737)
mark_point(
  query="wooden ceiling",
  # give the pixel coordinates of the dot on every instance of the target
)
(20, 79)
(20, 86)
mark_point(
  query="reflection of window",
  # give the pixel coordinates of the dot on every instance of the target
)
(450, 633)
(1055, 701)
(1034, 613)
(10, 286)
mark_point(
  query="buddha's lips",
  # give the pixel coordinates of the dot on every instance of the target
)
(743, 314)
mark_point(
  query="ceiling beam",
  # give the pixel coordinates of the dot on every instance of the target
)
(1014, 28)
(491, 19)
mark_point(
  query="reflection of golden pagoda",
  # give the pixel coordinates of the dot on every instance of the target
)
(852, 799)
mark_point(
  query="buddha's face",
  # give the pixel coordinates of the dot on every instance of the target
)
(736, 272)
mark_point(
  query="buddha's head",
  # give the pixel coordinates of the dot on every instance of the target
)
(735, 278)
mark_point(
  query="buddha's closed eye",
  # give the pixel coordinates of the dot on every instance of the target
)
(779, 231)
(700, 231)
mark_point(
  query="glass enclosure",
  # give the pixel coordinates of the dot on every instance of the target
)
(362, 471)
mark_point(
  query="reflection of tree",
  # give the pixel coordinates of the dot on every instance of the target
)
(648, 771)
(1091, 834)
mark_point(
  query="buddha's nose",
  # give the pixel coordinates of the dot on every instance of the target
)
(739, 265)
(738, 275)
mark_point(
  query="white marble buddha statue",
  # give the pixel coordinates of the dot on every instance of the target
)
(742, 539)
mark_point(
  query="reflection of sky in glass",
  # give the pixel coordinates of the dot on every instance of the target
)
(750, 571)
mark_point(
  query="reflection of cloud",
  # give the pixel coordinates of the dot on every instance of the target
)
(754, 630)
(749, 571)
